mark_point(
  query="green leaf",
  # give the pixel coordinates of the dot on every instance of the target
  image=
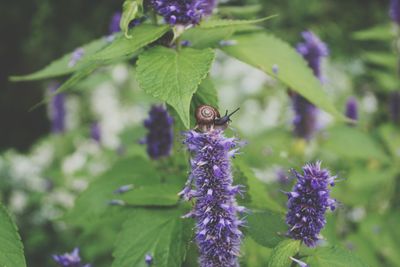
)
(381, 59)
(264, 51)
(11, 248)
(391, 136)
(148, 189)
(282, 252)
(206, 94)
(230, 22)
(377, 33)
(60, 66)
(333, 257)
(174, 76)
(130, 10)
(351, 142)
(161, 233)
(266, 227)
(259, 197)
(99, 52)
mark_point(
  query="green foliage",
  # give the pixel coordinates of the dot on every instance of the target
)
(224, 22)
(266, 227)
(11, 248)
(163, 234)
(333, 256)
(282, 252)
(131, 9)
(174, 76)
(264, 51)
(376, 33)
(351, 142)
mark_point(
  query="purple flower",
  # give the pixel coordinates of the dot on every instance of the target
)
(313, 50)
(308, 202)
(394, 107)
(95, 132)
(70, 259)
(114, 23)
(148, 259)
(394, 11)
(305, 121)
(217, 228)
(76, 56)
(160, 134)
(57, 109)
(183, 12)
(352, 109)
(306, 115)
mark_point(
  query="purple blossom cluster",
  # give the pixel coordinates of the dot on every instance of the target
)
(160, 134)
(216, 211)
(114, 23)
(313, 50)
(394, 11)
(308, 202)
(305, 118)
(183, 12)
(352, 109)
(305, 121)
(57, 110)
(95, 132)
(394, 107)
(70, 259)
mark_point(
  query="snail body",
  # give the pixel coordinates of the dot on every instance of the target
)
(208, 118)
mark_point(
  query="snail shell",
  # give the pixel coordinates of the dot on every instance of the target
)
(205, 117)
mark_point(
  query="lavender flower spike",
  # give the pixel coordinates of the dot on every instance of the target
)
(160, 134)
(308, 202)
(70, 259)
(394, 11)
(95, 132)
(352, 109)
(57, 110)
(217, 228)
(305, 121)
(114, 23)
(313, 50)
(394, 107)
(183, 12)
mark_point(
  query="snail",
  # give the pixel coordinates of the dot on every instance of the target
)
(208, 118)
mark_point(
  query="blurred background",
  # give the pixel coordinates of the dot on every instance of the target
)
(42, 171)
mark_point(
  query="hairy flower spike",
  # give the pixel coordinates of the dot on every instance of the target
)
(70, 259)
(114, 23)
(160, 135)
(394, 107)
(394, 11)
(313, 50)
(183, 12)
(352, 109)
(305, 121)
(57, 110)
(308, 202)
(217, 228)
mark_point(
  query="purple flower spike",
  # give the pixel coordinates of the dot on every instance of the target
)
(217, 228)
(57, 110)
(76, 56)
(352, 109)
(114, 23)
(313, 50)
(70, 259)
(305, 120)
(394, 11)
(160, 134)
(308, 202)
(394, 107)
(148, 259)
(95, 132)
(183, 12)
